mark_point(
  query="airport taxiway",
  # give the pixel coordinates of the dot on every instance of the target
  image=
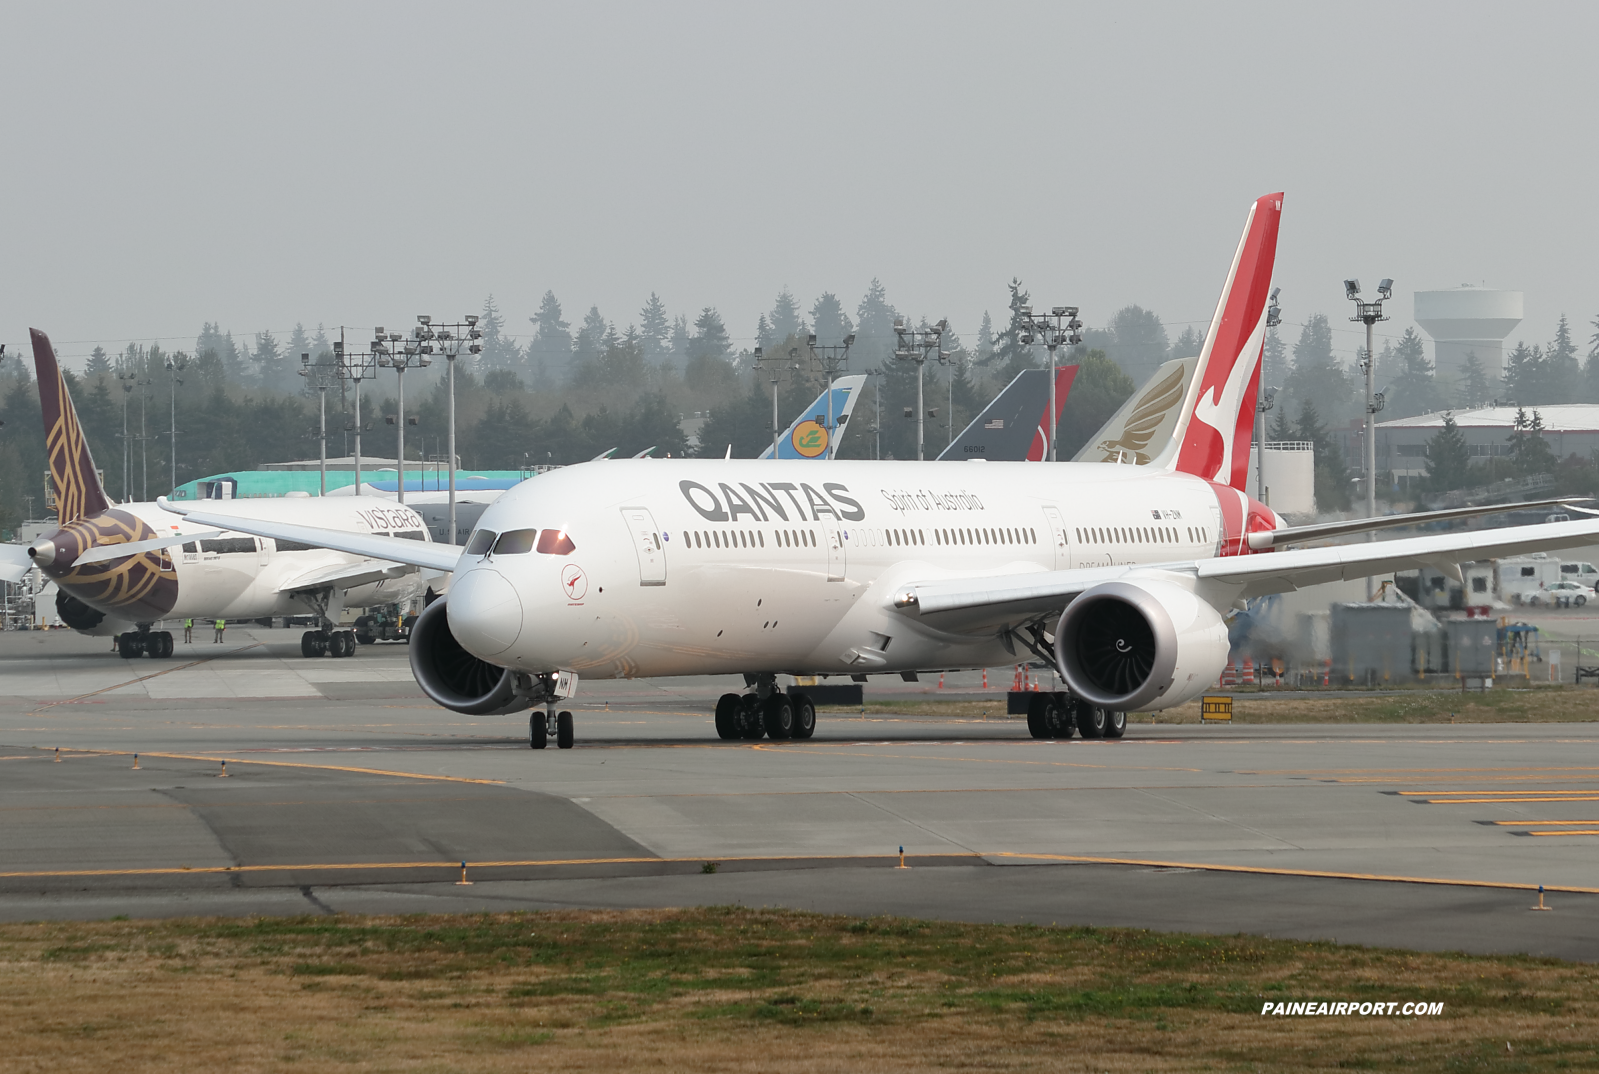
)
(349, 791)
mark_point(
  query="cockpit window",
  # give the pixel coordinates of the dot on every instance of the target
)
(556, 543)
(515, 542)
(480, 542)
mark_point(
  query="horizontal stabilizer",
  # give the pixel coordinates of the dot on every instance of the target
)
(100, 553)
(1322, 531)
(14, 562)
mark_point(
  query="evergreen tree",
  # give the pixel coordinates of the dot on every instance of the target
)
(1138, 342)
(785, 320)
(743, 423)
(1010, 354)
(1562, 372)
(550, 351)
(831, 323)
(269, 362)
(765, 338)
(1448, 461)
(1530, 453)
(1099, 388)
(1523, 376)
(1415, 389)
(680, 340)
(875, 339)
(710, 339)
(654, 330)
(1317, 376)
(985, 341)
(1273, 356)
(1331, 475)
(499, 351)
(99, 364)
(590, 341)
(1473, 391)
(1282, 430)
(1590, 368)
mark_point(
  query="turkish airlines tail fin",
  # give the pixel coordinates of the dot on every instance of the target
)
(1218, 412)
(1145, 424)
(809, 437)
(72, 473)
(1015, 426)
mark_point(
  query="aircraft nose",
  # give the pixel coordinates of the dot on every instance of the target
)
(485, 613)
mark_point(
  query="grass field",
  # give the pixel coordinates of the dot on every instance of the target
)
(1544, 704)
(732, 989)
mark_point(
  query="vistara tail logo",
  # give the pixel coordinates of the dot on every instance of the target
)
(809, 439)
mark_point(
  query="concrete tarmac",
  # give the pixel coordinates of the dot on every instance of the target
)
(349, 791)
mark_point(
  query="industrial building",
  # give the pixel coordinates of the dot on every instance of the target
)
(1569, 428)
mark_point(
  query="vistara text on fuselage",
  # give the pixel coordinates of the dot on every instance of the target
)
(676, 567)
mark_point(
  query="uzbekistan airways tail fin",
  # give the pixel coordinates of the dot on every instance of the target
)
(1145, 424)
(1014, 427)
(72, 473)
(1218, 412)
(809, 436)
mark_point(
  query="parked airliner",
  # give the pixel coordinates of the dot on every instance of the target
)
(1119, 575)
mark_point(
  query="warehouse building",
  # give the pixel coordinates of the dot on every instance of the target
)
(1570, 429)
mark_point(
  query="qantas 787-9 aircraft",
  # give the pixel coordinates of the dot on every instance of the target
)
(1119, 575)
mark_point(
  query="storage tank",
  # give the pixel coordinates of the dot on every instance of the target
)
(1465, 320)
(1290, 476)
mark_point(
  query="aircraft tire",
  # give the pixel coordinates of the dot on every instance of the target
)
(308, 643)
(126, 647)
(1060, 720)
(164, 644)
(538, 732)
(728, 724)
(563, 731)
(804, 715)
(752, 728)
(346, 643)
(1092, 720)
(778, 717)
(1115, 724)
(1037, 718)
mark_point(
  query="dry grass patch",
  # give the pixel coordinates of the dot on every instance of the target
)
(731, 989)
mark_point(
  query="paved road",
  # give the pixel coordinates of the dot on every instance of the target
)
(348, 791)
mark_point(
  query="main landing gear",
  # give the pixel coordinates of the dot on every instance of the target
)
(766, 713)
(542, 725)
(327, 643)
(144, 642)
(1057, 715)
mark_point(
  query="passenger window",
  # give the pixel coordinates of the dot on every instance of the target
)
(480, 542)
(408, 535)
(515, 542)
(555, 543)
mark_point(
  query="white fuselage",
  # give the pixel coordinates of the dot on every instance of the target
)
(237, 576)
(698, 566)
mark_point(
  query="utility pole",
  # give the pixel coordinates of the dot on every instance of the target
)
(451, 338)
(1268, 398)
(175, 365)
(1370, 313)
(356, 366)
(411, 354)
(127, 391)
(321, 377)
(1059, 325)
(774, 365)
(918, 345)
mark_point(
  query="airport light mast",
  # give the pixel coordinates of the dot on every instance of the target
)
(774, 363)
(918, 345)
(1266, 400)
(400, 354)
(833, 358)
(451, 338)
(1370, 313)
(321, 377)
(356, 366)
(1059, 325)
(175, 365)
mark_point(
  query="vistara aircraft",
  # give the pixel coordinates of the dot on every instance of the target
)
(121, 568)
(1118, 575)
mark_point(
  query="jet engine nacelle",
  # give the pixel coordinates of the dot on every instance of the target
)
(1141, 644)
(454, 677)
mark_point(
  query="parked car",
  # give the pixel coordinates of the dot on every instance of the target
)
(1561, 594)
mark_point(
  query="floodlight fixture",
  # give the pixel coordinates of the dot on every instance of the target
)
(305, 358)
(470, 318)
(1386, 289)
(849, 340)
(423, 318)
(810, 339)
(1351, 288)
(759, 351)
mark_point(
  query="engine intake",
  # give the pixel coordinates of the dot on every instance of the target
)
(1139, 645)
(454, 677)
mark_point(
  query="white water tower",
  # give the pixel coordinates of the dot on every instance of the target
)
(1466, 320)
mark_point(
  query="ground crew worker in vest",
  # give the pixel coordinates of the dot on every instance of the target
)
(222, 624)
(188, 630)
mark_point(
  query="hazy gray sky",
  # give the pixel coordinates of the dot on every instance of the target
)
(263, 164)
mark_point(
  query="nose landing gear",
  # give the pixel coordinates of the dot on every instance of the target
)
(542, 725)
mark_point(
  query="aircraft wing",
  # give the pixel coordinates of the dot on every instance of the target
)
(972, 605)
(345, 576)
(14, 562)
(439, 557)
